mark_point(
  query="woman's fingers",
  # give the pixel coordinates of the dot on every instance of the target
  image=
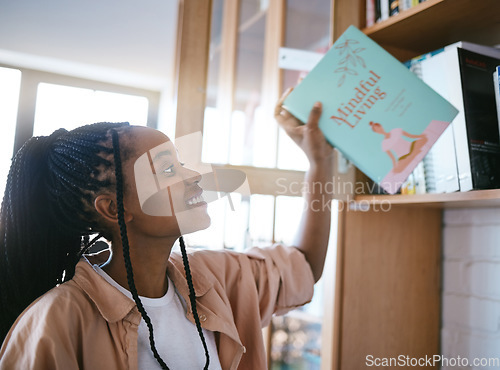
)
(314, 115)
(285, 118)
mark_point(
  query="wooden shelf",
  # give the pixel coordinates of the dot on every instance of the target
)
(474, 199)
(436, 23)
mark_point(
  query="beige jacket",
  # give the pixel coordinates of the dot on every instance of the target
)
(87, 323)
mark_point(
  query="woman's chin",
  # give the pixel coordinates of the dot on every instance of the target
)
(193, 220)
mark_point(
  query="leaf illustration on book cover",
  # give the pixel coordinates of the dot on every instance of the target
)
(352, 58)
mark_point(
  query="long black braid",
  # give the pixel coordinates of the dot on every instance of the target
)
(192, 298)
(52, 181)
(128, 263)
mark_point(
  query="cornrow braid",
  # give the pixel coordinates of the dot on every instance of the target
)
(192, 298)
(47, 212)
(128, 262)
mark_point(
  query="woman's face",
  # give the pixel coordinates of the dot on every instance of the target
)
(162, 195)
(377, 127)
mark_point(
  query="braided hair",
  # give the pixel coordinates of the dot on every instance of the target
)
(52, 179)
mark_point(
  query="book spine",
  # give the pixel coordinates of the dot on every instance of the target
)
(404, 5)
(370, 13)
(441, 161)
(496, 84)
(429, 172)
(393, 7)
(481, 118)
(384, 9)
(419, 178)
(378, 11)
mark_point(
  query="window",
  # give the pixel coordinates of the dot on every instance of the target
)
(239, 131)
(50, 101)
(59, 106)
(10, 84)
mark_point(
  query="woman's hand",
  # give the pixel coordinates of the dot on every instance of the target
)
(309, 136)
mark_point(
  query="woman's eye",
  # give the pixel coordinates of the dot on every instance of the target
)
(169, 170)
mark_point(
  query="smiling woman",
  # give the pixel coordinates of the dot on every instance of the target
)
(126, 183)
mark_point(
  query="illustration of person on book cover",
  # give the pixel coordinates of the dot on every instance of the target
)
(401, 146)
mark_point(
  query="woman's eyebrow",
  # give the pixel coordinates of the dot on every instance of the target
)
(163, 153)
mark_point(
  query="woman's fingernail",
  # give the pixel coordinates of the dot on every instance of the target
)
(317, 104)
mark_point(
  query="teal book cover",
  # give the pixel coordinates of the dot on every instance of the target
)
(375, 111)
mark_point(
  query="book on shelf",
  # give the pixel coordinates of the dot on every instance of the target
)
(405, 5)
(393, 7)
(467, 156)
(370, 13)
(375, 111)
(440, 165)
(496, 85)
(384, 10)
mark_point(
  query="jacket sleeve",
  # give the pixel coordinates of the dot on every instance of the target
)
(270, 280)
(284, 279)
(37, 340)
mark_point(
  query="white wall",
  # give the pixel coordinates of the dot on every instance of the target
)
(471, 286)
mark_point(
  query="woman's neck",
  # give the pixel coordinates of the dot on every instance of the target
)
(149, 259)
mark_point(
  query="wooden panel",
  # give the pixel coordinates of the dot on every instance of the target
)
(474, 198)
(269, 180)
(26, 109)
(339, 288)
(227, 66)
(391, 285)
(192, 65)
(345, 13)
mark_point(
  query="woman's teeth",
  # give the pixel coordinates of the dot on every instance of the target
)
(194, 200)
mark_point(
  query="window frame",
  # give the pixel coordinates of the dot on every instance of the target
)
(31, 78)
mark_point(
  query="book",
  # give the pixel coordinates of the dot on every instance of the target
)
(384, 9)
(440, 163)
(496, 85)
(474, 143)
(483, 137)
(378, 11)
(370, 13)
(404, 5)
(375, 111)
(393, 7)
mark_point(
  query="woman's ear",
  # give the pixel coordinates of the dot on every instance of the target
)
(105, 205)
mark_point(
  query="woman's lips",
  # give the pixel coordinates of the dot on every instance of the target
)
(196, 200)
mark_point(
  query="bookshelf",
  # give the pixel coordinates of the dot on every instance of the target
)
(436, 23)
(470, 199)
(388, 276)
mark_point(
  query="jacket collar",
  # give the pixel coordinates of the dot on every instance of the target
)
(115, 306)
(110, 302)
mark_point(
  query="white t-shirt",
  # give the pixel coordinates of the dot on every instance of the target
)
(176, 338)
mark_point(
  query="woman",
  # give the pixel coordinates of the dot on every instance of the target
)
(141, 306)
(401, 146)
